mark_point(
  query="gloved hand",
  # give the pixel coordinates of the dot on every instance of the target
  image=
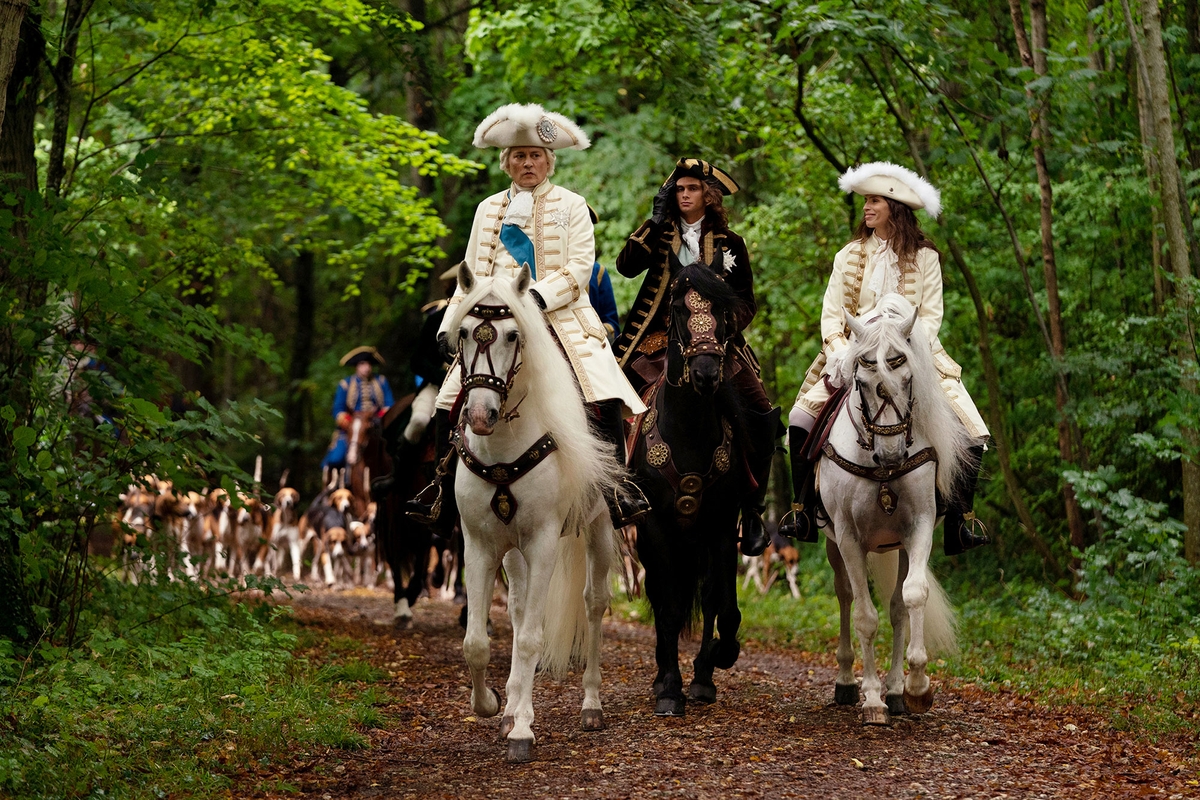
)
(833, 367)
(343, 421)
(662, 203)
(443, 345)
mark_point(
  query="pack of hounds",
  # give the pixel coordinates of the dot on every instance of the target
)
(159, 529)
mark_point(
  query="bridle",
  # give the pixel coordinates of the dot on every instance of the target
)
(870, 426)
(485, 335)
(701, 327)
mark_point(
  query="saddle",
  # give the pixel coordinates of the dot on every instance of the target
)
(815, 443)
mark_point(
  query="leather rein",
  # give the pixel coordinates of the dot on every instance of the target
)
(501, 475)
(870, 428)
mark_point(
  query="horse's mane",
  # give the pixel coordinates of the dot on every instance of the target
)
(705, 280)
(934, 419)
(549, 393)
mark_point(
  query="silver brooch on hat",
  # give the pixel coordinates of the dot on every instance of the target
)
(547, 131)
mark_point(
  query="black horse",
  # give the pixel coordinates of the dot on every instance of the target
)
(403, 469)
(689, 462)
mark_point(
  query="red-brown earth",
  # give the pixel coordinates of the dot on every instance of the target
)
(773, 731)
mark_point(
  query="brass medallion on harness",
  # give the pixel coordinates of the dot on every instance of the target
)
(504, 503)
(658, 455)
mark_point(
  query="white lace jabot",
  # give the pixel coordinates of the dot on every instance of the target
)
(691, 236)
(520, 207)
(885, 265)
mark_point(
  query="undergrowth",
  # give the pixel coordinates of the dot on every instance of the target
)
(180, 706)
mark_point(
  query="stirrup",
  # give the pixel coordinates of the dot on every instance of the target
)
(423, 508)
(798, 524)
(628, 508)
(972, 532)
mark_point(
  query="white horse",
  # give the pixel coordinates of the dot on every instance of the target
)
(897, 420)
(530, 485)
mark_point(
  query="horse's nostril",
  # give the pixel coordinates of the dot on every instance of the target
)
(875, 457)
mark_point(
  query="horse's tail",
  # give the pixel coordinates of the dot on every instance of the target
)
(941, 624)
(564, 630)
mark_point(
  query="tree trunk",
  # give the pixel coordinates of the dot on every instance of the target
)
(299, 399)
(1153, 72)
(1035, 58)
(17, 163)
(64, 81)
(12, 13)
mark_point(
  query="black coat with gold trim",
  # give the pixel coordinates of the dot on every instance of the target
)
(648, 249)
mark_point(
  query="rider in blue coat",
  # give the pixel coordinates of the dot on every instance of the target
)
(362, 391)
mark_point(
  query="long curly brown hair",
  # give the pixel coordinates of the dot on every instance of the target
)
(907, 236)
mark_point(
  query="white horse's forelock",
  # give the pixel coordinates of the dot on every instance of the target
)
(548, 391)
(934, 419)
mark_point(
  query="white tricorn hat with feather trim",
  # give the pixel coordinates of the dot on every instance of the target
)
(530, 125)
(892, 180)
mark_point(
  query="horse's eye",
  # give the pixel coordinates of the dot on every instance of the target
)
(512, 336)
(462, 333)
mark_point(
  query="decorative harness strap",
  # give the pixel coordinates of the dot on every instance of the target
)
(485, 336)
(504, 504)
(689, 487)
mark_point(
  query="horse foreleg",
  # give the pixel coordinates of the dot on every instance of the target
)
(866, 625)
(898, 613)
(918, 697)
(480, 569)
(527, 591)
(845, 687)
(601, 551)
(518, 575)
(702, 688)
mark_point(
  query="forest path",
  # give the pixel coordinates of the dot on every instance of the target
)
(773, 731)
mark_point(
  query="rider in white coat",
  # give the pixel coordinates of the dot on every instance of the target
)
(889, 253)
(537, 223)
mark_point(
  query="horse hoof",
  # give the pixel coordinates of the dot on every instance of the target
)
(725, 652)
(592, 719)
(876, 715)
(656, 689)
(495, 711)
(520, 751)
(507, 723)
(702, 693)
(670, 707)
(402, 623)
(918, 703)
(845, 694)
(895, 704)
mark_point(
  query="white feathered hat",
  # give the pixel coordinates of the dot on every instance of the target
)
(529, 125)
(891, 180)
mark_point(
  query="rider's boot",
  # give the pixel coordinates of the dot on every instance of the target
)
(961, 529)
(628, 504)
(800, 523)
(434, 505)
(763, 431)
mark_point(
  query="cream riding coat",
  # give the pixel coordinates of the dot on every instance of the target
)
(564, 251)
(849, 289)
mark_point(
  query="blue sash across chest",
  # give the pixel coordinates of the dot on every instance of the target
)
(518, 245)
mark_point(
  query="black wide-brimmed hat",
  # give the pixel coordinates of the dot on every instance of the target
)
(704, 171)
(360, 354)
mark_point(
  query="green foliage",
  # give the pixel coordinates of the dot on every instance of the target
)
(178, 707)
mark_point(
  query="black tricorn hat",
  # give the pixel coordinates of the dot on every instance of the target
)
(360, 354)
(704, 171)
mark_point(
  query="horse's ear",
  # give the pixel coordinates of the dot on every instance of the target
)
(466, 279)
(856, 327)
(908, 327)
(523, 279)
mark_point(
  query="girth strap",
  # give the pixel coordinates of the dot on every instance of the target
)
(504, 504)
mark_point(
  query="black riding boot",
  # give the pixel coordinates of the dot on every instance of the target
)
(629, 504)
(435, 504)
(961, 530)
(763, 431)
(800, 523)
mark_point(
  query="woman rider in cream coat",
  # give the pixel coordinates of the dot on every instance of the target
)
(889, 253)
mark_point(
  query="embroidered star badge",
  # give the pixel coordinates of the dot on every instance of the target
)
(730, 261)
(559, 218)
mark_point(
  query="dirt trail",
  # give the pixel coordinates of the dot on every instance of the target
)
(773, 731)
